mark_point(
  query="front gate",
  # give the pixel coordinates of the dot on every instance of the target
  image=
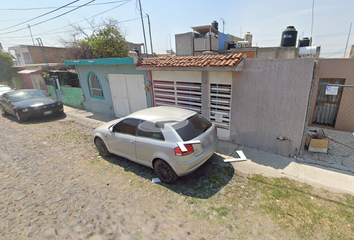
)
(330, 131)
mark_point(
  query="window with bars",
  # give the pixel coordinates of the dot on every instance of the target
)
(95, 86)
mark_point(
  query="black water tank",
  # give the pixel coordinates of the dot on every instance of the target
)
(305, 42)
(215, 25)
(288, 37)
(231, 45)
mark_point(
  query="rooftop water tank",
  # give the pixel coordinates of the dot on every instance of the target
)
(215, 25)
(288, 37)
(305, 42)
(248, 37)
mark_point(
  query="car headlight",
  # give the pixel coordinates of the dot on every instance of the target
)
(25, 110)
(58, 103)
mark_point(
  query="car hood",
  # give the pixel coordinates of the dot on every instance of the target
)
(35, 102)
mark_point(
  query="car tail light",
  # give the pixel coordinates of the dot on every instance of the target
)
(216, 129)
(178, 151)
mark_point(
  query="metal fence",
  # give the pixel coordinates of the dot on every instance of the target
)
(330, 130)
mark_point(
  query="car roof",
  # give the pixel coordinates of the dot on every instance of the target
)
(162, 113)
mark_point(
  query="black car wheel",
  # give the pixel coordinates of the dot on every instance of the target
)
(18, 116)
(3, 112)
(164, 171)
(101, 147)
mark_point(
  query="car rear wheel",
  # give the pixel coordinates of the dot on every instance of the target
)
(164, 171)
(101, 147)
(19, 118)
(3, 112)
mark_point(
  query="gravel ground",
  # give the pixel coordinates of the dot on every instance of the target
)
(55, 186)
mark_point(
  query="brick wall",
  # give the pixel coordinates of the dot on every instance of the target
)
(54, 55)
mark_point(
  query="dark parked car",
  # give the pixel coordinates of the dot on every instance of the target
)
(29, 103)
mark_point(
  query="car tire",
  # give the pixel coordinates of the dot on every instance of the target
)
(19, 118)
(3, 112)
(101, 147)
(165, 172)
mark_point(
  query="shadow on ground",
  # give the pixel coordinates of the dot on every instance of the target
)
(36, 120)
(205, 182)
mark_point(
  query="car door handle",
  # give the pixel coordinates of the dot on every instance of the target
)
(131, 141)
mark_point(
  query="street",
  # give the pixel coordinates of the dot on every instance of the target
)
(54, 185)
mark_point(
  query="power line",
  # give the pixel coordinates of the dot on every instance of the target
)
(40, 15)
(42, 8)
(51, 18)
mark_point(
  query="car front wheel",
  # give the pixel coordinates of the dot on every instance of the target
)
(3, 112)
(165, 172)
(101, 147)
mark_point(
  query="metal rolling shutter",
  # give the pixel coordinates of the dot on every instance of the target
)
(179, 94)
(220, 105)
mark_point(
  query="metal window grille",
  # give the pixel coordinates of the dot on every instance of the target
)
(95, 86)
(220, 105)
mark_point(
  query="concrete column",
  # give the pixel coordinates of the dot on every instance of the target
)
(205, 95)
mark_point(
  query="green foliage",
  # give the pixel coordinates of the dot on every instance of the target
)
(6, 70)
(105, 42)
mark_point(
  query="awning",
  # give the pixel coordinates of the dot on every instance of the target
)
(26, 71)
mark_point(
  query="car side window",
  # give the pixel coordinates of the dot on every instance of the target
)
(127, 126)
(150, 130)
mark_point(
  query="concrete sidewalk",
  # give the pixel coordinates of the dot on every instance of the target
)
(259, 162)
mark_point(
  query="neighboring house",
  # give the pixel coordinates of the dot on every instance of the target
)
(112, 86)
(209, 38)
(252, 102)
(203, 38)
(333, 111)
(32, 78)
(29, 54)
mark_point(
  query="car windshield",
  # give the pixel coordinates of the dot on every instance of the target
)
(192, 127)
(20, 96)
(4, 89)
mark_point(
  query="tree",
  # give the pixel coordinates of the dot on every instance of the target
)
(105, 41)
(6, 70)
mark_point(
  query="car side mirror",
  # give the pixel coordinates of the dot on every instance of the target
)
(110, 129)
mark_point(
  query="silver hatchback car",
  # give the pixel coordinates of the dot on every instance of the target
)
(172, 141)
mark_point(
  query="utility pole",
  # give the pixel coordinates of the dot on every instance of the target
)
(346, 46)
(29, 27)
(142, 22)
(152, 51)
(313, 14)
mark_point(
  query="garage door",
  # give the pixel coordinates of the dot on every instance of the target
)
(128, 94)
(179, 94)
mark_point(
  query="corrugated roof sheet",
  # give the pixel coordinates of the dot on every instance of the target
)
(193, 61)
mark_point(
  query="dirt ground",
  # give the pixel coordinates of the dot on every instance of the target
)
(54, 185)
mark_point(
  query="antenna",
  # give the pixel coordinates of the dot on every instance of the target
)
(346, 46)
(223, 24)
(313, 13)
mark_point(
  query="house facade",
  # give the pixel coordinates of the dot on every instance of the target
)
(253, 103)
(112, 86)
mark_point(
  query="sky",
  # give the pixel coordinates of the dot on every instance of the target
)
(265, 20)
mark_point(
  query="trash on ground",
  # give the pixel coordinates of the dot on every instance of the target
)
(241, 158)
(156, 180)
